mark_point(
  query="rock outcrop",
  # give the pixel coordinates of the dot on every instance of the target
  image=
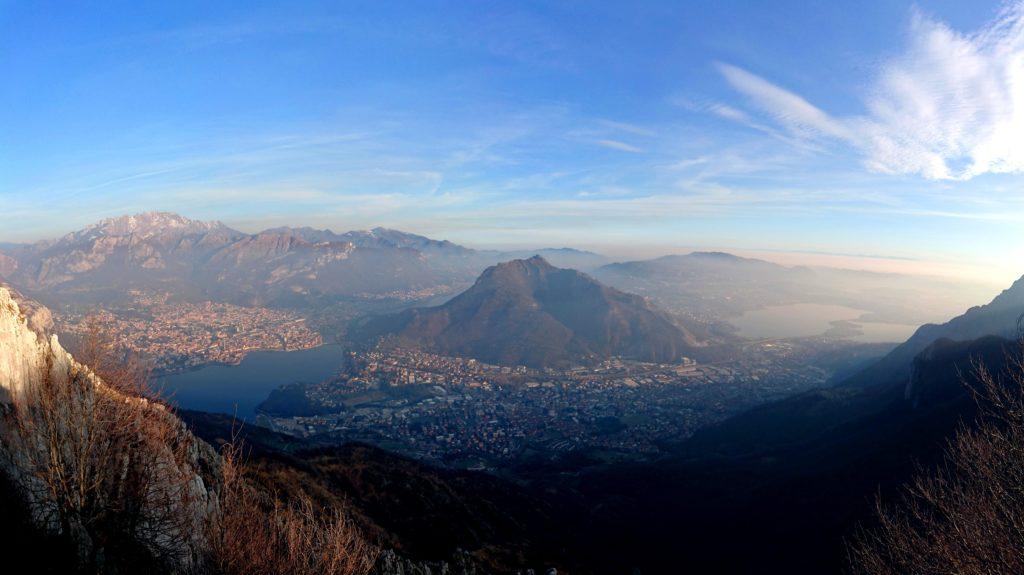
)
(24, 346)
(28, 356)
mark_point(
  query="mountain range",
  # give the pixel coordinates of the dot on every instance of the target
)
(381, 270)
(528, 312)
(195, 259)
(280, 266)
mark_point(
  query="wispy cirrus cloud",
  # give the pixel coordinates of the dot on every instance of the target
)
(728, 112)
(621, 146)
(787, 108)
(950, 107)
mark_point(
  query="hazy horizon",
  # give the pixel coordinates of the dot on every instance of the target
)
(963, 273)
(705, 127)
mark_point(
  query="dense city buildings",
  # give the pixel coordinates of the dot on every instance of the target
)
(177, 335)
(465, 413)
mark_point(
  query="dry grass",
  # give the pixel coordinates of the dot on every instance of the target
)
(255, 533)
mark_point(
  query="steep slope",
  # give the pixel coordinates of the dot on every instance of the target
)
(529, 312)
(776, 489)
(8, 265)
(428, 513)
(32, 361)
(1000, 318)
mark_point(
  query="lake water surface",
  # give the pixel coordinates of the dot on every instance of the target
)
(812, 319)
(238, 389)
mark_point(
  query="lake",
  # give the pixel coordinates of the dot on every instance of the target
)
(238, 389)
(812, 319)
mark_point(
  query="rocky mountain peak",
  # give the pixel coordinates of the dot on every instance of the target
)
(532, 265)
(389, 238)
(152, 223)
(146, 225)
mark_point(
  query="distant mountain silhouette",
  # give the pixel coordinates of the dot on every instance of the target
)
(559, 257)
(713, 282)
(998, 318)
(528, 312)
(376, 238)
(723, 285)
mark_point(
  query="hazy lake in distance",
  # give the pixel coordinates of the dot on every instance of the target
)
(812, 319)
(238, 389)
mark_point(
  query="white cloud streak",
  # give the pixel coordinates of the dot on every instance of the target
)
(617, 145)
(950, 107)
(785, 107)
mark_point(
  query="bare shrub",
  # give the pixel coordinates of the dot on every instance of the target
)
(967, 517)
(257, 533)
(108, 470)
(111, 470)
(120, 370)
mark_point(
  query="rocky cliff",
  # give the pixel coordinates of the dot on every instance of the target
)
(24, 345)
(28, 357)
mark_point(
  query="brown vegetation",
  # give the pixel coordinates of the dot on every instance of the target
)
(966, 517)
(105, 469)
(112, 474)
(256, 533)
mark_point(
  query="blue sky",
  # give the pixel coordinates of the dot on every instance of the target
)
(889, 129)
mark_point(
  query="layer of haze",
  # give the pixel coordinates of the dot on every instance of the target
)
(881, 135)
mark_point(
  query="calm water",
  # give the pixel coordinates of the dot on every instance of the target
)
(810, 319)
(885, 332)
(240, 388)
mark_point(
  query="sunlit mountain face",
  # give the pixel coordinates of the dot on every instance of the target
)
(506, 288)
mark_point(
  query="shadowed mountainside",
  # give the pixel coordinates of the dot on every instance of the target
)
(425, 512)
(775, 490)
